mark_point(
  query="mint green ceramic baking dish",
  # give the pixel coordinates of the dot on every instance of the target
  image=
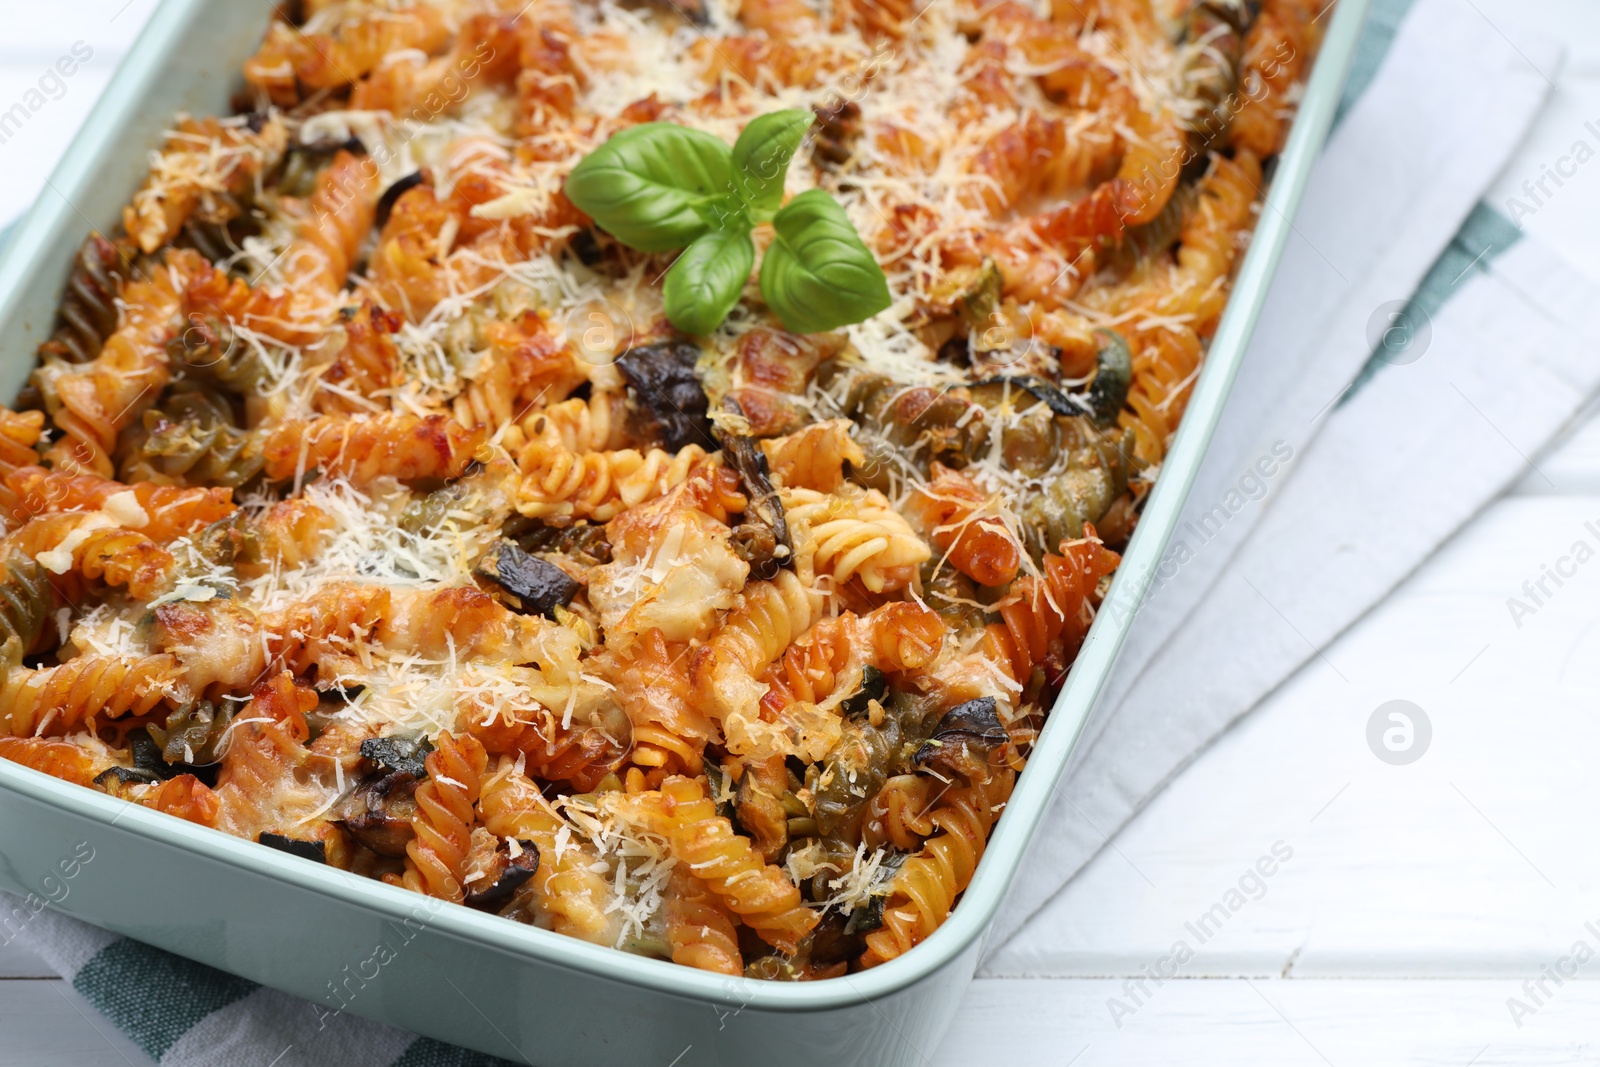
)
(449, 972)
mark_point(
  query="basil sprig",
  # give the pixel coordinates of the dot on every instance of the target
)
(660, 187)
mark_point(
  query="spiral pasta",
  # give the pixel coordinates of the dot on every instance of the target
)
(291, 533)
(366, 476)
(1276, 50)
(270, 783)
(653, 686)
(899, 814)
(579, 754)
(1209, 240)
(758, 893)
(205, 167)
(817, 457)
(365, 449)
(856, 536)
(91, 402)
(96, 548)
(169, 512)
(1038, 157)
(571, 896)
(559, 485)
(1165, 363)
(436, 857)
(186, 797)
(598, 424)
(89, 307)
(288, 59)
(925, 890)
(485, 50)
(896, 637)
(770, 616)
(322, 633)
(1045, 621)
(964, 522)
(58, 699)
(190, 439)
(699, 929)
(367, 364)
(67, 760)
(318, 260)
(524, 367)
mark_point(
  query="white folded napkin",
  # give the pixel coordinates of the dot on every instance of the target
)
(1313, 504)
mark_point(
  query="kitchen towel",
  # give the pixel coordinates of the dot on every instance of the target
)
(1409, 161)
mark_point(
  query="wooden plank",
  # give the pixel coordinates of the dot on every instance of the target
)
(1571, 466)
(1459, 864)
(16, 961)
(1271, 1023)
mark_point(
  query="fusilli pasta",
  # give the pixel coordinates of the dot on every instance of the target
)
(367, 477)
(446, 814)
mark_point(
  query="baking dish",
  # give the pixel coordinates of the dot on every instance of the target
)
(350, 944)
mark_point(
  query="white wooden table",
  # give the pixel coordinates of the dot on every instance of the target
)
(1418, 899)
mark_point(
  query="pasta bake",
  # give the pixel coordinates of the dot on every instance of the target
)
(643, 470)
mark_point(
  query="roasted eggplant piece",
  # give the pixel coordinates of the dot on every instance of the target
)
(838, 128)
(762, 539)
(378, 811)
(189, 745)
(717, 780)
(1108, 392)
(147, 756)
(1095, 477)
(316, 851)
(1052, 395)
(931, 424)
(864, 919)
(406, 754)
(874, 686)
(760, 808)
(386, 202)
(586, 247)
(534, 586)
(866, 757)
(831, 941)
(584, 542)
(193, 738)
(970, 728)
(671, 405)
(114, 780)
(506, 875)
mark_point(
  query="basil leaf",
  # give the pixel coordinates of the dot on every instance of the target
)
(653, 187)
(818, 275)
(761, 157)
(705, 282)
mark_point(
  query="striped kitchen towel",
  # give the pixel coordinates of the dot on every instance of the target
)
(184, 1013)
